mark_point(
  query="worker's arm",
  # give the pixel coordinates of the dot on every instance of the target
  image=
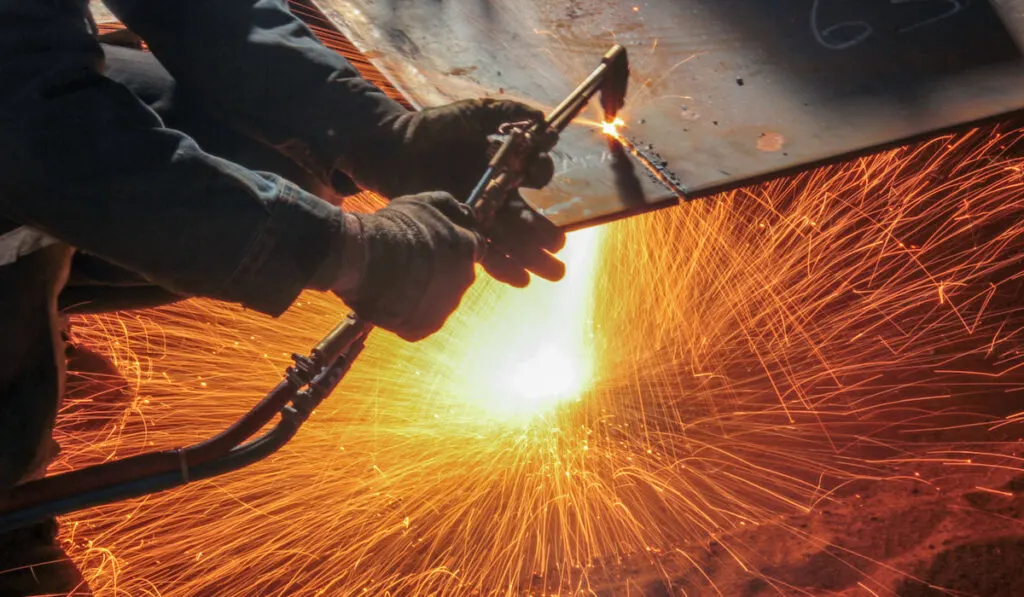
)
(260, 68)
(85, 161)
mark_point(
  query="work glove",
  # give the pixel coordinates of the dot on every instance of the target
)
(448, 148)
(521, 241)
(441, 149)
(416, 260)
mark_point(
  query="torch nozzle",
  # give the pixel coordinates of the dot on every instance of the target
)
(616, 82)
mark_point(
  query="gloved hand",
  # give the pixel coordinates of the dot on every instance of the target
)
(416, 259)
(447, 148)
(441, 149)
(522, 241)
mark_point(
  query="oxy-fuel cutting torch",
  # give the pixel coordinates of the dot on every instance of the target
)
(311, 378)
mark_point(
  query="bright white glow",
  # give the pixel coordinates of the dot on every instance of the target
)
(532, 348)
(612, 128)
(546, 376)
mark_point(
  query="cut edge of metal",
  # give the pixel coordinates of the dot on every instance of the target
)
(670, 199)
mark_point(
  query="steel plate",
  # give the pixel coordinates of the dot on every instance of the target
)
(726, 91)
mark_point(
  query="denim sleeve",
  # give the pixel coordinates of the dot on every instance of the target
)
(83, 160)
(260, 68)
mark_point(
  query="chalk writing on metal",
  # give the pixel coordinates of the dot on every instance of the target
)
(847, 34)
(857, 31)
(955, 6)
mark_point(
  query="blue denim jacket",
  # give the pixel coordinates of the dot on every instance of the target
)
(86, 162)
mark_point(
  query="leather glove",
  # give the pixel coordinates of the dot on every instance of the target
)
(417, 260)
(441, 149)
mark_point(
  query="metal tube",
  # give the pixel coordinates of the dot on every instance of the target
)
(246, 426)
(612, 64)
(568, 110)
(234, 459)
(351, 330)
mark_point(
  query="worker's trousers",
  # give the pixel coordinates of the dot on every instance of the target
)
(41, 280)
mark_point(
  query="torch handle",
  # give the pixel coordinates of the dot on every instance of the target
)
(340, 340)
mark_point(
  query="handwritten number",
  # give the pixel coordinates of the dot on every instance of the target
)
(955, 6)
(822, 35)
(832, 37)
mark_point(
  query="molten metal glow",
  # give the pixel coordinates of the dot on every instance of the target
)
(612, 128)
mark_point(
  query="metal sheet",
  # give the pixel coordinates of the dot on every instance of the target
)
(726, 91)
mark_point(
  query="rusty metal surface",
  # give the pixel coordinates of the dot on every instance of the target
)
(724, 92)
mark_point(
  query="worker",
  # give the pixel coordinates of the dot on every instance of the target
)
(88, 167)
